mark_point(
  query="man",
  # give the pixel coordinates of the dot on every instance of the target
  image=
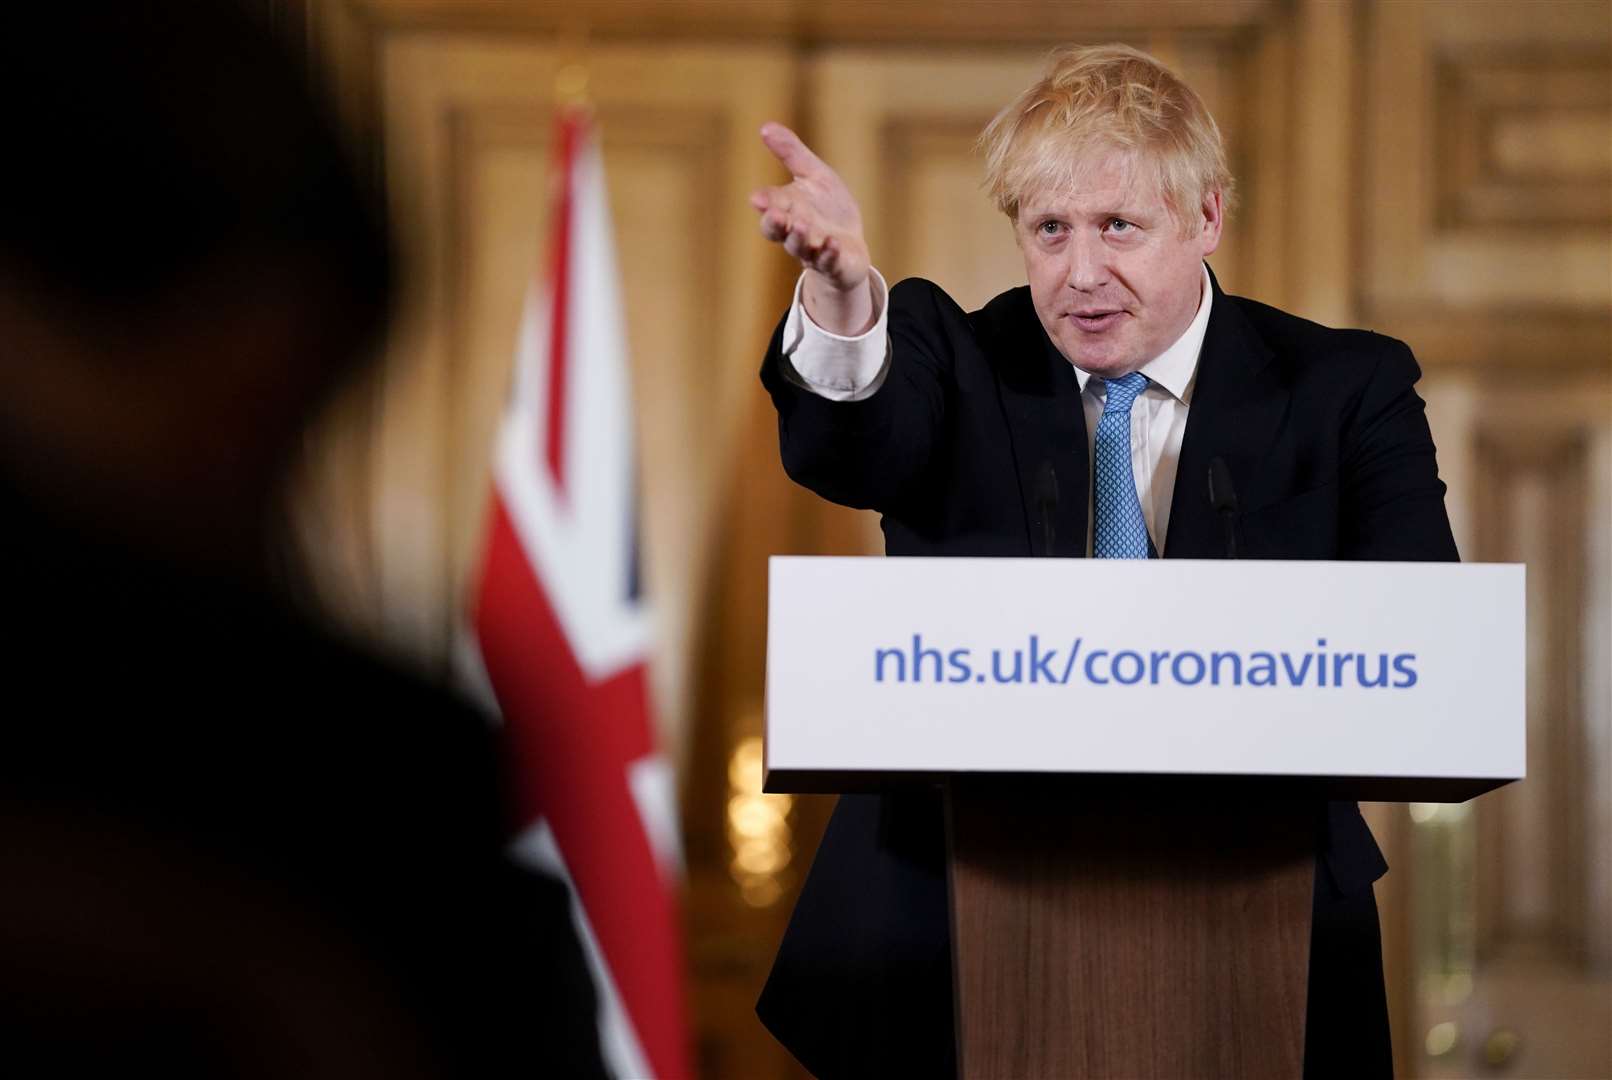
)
(1124, 371)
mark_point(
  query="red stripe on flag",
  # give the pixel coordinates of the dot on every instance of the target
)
(571, 125)
(572, 742)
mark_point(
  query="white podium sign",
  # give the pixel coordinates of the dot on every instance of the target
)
(880, 669)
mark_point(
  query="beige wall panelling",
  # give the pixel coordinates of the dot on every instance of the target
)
(467, 121)
(809, 23)
(1487, 245)
(1525, 908)
(1497, 912)
(1289, 115)
(1322, 204)
(1490, 180)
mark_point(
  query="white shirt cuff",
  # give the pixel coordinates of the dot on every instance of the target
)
(834, 367)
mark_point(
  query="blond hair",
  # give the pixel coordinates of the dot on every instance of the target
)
(1097, 99)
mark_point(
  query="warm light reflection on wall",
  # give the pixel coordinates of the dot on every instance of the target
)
(758, 828)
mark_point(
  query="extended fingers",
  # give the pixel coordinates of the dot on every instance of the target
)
(786, 221)
(781, 198)
(787, 147)
(774, 204)
(807, 245)
(795, 244)
(782, 213)
(799, 239)
(775, 225)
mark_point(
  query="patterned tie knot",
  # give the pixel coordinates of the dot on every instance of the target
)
(1122, 392)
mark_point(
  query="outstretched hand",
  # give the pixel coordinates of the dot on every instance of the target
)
(817, 221)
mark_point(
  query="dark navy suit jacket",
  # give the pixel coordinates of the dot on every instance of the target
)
(1331, 457)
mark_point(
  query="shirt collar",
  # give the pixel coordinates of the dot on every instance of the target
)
(1175, 368)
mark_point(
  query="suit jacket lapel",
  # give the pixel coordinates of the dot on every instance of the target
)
(1041, 406)
(1237, 406)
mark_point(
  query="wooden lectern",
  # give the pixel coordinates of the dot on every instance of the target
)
(1132, 865)
(1120, 935)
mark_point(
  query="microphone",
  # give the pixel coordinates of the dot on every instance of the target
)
(1223, 498)
(1046, 501)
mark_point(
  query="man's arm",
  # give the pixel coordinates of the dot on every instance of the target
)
(817, 221)
(1393, 499)
(836, 366)
(858, 414)
(869, 452)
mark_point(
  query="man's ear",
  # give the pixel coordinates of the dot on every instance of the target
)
(1214, 217)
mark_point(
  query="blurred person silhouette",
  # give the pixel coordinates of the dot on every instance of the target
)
(230, 844)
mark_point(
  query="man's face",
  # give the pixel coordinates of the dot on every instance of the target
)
(1113, 278)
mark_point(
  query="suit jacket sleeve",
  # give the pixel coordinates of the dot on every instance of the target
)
(1392, 498)
(1392, 509)
(864, 454)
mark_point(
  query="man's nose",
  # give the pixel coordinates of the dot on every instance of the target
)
(1088, 261)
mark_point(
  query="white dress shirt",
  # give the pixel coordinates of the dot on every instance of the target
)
(853, 368)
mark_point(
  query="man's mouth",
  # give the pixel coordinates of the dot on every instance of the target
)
(1095, 321)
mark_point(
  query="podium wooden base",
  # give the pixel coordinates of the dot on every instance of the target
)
(1126, 937)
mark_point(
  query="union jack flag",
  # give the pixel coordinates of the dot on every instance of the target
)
(563, 632)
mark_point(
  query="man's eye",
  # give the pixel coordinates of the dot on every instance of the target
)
(1120, 225)
(1049, 228)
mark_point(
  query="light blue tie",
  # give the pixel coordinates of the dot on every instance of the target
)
(1120, 532)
